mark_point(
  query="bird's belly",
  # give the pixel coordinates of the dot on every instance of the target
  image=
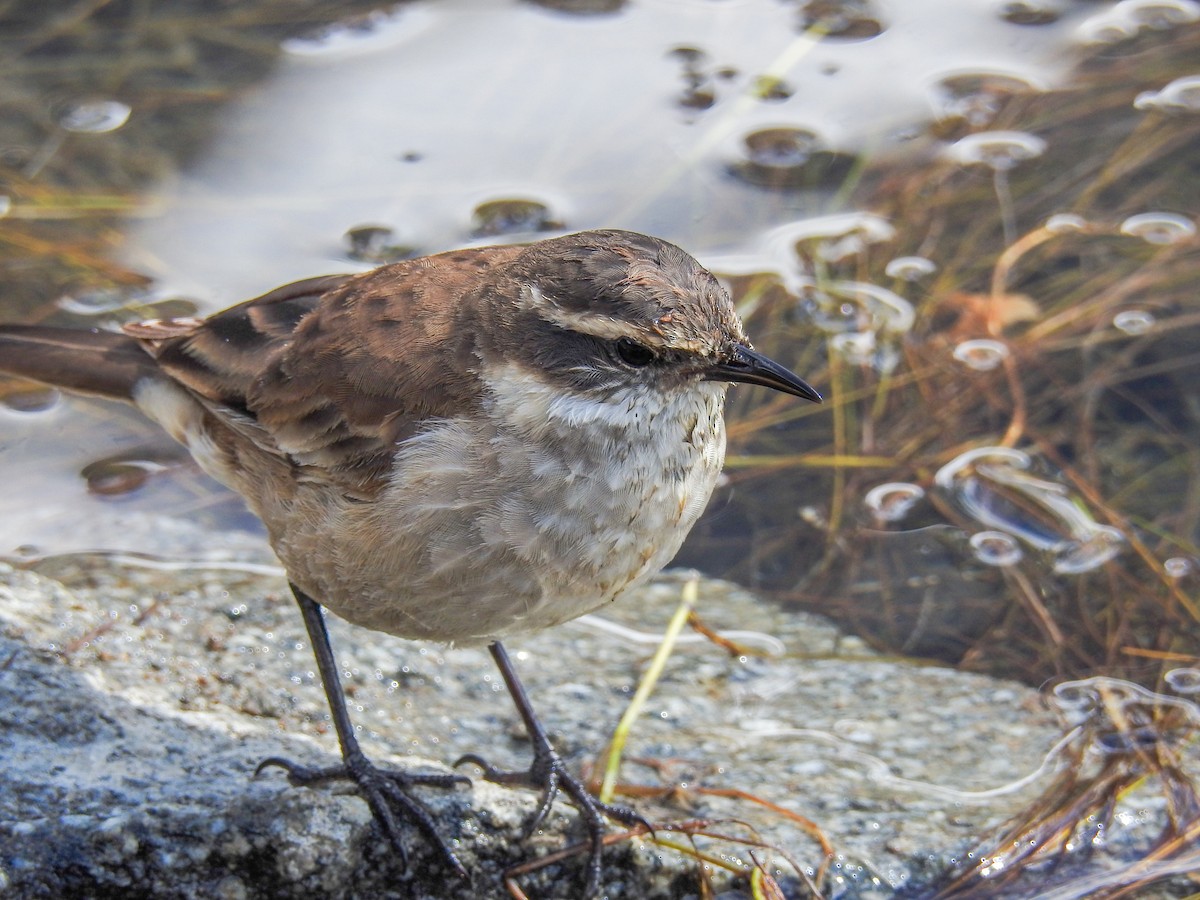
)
(541, 537)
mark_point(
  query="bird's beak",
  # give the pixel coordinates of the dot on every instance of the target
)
(750, 367)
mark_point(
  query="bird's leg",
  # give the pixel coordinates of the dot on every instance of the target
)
(549, 774)
(387, 791)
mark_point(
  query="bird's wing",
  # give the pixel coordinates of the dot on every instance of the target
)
(330, 373)
(100, 363)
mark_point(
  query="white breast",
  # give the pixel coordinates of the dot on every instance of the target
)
(545, 510)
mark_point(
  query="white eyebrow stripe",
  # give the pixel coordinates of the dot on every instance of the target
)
(608, 328)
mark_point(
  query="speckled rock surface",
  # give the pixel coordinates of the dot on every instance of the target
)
(136, 703)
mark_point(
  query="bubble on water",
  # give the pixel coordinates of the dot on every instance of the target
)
(1178, 567)
(981, 354)
(376, 244)
(362, 34)
(857, 347)
(862, 227)
(582, 7)
(889, 311)
(1075, 696)
(512, 216)
(31, 400)
(5, 205)
(1159, 228)
(1023, 12)
(1134, 321)
(780, 148)
(698, 92)
(998, 150)
(95, 302)
(1127, 18)
(965, 461)
(93, 116)
(787, 251)
(977, 97)
(834, 238)
(120, 474)
(892, 501)
(1066, 223)
(1092, 551)
(847, 20)
(995, 548)
(1183, 680)
(910, 268)
(862, 348)
(1106, 30)
(1160, 15)
(772, 89)
(993, 486)
(1180, 96)
(787, 157)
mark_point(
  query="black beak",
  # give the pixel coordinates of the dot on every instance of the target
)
(750, 367)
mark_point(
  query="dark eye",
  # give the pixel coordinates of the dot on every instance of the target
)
(634, 354)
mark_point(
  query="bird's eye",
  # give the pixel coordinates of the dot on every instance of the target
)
(634, 354)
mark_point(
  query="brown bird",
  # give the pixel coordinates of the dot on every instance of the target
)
(454, 448)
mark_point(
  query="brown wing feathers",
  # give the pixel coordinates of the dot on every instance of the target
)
(335, 370)
(100, 363)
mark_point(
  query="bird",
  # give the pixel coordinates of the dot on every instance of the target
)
(454, 448)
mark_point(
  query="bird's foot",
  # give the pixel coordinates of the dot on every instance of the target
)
(550, 775)
(388, 793)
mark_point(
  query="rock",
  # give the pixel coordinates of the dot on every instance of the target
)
(135, 705)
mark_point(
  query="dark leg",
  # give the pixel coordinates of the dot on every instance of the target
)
(550, 775)
(387, 791)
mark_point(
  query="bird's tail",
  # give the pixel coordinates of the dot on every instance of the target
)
(100, 363)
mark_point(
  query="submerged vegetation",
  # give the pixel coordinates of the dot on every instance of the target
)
(1011, 479)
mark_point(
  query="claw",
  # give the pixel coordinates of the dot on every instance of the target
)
(387, 791)
(550, 774)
